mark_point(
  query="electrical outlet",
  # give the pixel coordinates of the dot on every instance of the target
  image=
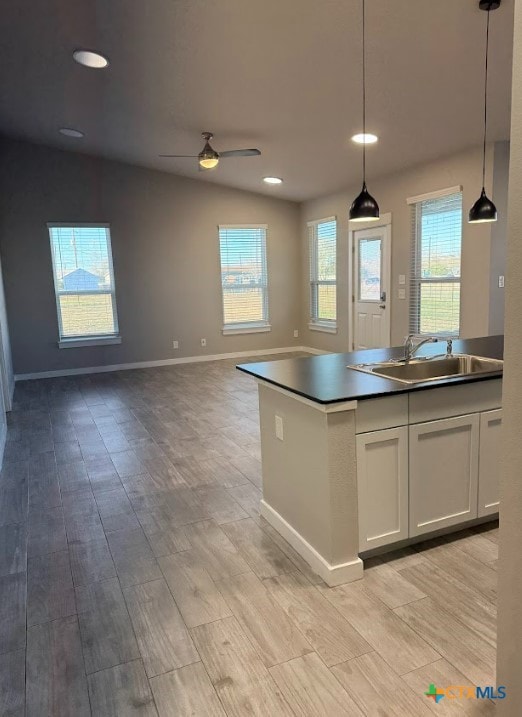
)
(501, 282)
(175, 344)
(279, 428)
(402, 279)
(203, 342)
(402, 293)
(296, 334)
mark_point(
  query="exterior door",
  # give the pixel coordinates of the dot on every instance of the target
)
(371, 299)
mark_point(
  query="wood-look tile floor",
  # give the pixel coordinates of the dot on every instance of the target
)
(138, 578)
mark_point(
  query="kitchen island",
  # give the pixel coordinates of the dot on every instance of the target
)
(354, 463)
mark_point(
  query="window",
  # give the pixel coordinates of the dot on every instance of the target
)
(323, 274)
(242, 251)
(435, 265)
(84, 284)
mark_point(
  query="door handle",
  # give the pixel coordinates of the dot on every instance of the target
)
(382, 306)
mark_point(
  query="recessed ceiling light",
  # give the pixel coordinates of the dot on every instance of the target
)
(89, 58)
(69, 132)
(272, 180)
(367, 138)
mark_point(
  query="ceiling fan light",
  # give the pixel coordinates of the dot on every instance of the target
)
(208, 157)
(91, 58)
(208, 162)
(483, 210)
(364, 207)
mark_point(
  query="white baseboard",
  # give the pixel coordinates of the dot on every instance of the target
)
(310, 350)
(162, 362)
(332, 574)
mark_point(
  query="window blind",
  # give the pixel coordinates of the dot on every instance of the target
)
(436, 227)
(323, 271)
(83, 281)
(244, 281)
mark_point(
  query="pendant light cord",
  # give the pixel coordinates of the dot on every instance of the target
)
(485, 106)
(364, 88)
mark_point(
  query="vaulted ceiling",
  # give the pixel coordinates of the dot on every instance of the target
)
(281, 75)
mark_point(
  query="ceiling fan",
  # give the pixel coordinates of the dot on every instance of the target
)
(208, 158)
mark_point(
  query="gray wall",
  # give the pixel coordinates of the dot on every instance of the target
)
(509, 645)
(499, 237)
(164, 236)
(391, 192)
(166, 258)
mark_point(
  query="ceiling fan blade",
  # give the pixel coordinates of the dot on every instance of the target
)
(190, 156)
(239, 153)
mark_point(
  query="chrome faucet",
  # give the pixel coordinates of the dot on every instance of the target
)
(411, 348)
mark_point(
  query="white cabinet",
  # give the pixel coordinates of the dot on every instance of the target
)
(382, 480)
(489, 461)
(443, 473)
(437, 471)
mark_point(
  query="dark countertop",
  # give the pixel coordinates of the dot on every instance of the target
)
(325, 378)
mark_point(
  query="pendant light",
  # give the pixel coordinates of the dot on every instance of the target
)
(484, 210)
(364, 207)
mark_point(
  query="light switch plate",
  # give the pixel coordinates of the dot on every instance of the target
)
(402, 293)
(402, 279)
(500, 282)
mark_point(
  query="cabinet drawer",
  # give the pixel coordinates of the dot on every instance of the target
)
(459, 400)
(376, 414)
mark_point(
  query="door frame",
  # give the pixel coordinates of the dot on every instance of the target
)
(385, 220)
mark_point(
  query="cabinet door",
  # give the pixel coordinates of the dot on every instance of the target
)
(489, 460)
(382, 481)
(443, 473)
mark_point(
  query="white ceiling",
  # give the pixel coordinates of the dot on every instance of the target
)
(281, 75)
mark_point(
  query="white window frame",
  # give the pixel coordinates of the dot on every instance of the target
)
(247, 327)
(66, 342)
(328, 326)
(415, 279)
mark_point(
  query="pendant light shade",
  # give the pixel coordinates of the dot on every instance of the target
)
(484, 210)
(364, 207)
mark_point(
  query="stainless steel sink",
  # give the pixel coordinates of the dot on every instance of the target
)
(422, 369)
